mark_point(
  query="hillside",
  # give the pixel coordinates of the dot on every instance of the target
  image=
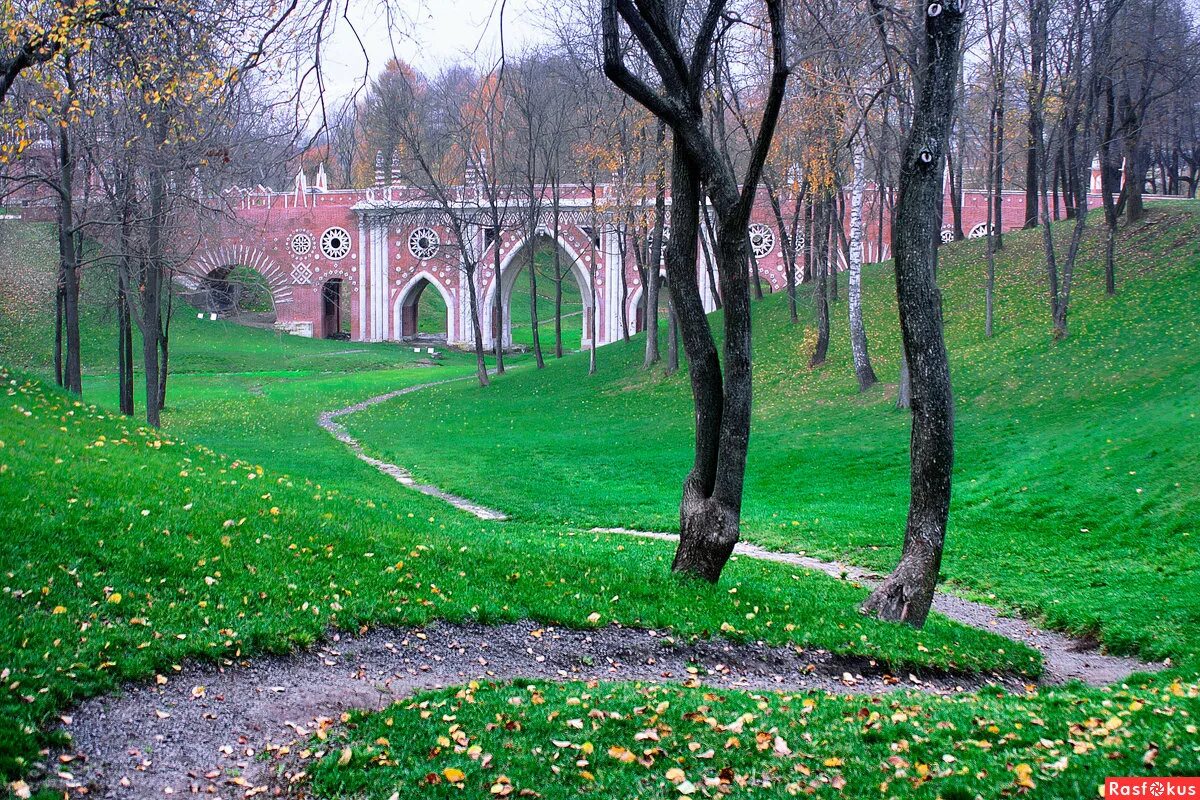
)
(1073, 496)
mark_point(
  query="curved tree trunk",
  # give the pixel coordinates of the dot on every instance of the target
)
(907, 594)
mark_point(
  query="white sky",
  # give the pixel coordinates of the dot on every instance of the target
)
(437, 32)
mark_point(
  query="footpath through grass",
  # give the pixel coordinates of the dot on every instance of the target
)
(130, 551)
(1075, 494)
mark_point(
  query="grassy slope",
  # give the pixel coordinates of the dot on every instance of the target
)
(132, 550)
(1074, 497)
(574, 740)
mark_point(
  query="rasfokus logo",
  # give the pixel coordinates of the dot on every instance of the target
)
(1151, 787)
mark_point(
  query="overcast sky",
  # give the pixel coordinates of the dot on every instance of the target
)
(437, 32)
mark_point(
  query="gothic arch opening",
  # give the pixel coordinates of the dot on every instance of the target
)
(557, 268)
(420, 313)
(335, 309)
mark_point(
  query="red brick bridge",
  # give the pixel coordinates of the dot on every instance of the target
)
(371, 253)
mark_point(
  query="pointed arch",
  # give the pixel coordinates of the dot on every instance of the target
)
(404, 306)
(510, 268)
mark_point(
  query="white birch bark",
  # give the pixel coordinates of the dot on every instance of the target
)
(858, 334)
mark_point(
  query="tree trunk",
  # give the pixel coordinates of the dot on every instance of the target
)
(164, 343)
(124, 338)
(498, 300)
(150, 290)
(558, 279)
(650, 293)
(758, 292)
(533, 313)
(907, 594)
(821, 213)
(858, 332)
(622, 251)
(58, 329)
(711, 505)
(68, 265)
(672, 338)
(476, 329)
(708, 239)
(1038, 12)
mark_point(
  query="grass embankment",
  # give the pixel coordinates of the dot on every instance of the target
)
(1074, 496)
(564, 741)
(129, 551)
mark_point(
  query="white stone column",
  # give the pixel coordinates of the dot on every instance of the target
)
(364, 285)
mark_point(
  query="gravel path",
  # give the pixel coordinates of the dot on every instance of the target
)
(329, 421)
(1065, 658)
(228, 732)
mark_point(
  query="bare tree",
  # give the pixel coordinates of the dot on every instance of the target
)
(907, 594)
(680, 47)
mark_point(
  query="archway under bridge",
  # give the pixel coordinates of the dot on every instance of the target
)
(423, 308)
(556, 263)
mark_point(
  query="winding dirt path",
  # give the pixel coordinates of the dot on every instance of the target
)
(229, 731)
(1065, 658)
(329, 421)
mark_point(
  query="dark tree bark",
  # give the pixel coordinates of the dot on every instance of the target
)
(58, 330)
(907, 594)
(533, 314)
(821, 213)
(124, 299)
(1039, 11)
(498, 300)
(672, 338)
(150, 292)
(710, 509)
(164, 342)
(72, 372)
(1108, 189)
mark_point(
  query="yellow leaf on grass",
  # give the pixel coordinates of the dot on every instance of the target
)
(454, 775)
(345, 757)
(1024, 776)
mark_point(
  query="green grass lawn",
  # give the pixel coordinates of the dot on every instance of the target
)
(132, 550)
(565, 741)
(1075, 493)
